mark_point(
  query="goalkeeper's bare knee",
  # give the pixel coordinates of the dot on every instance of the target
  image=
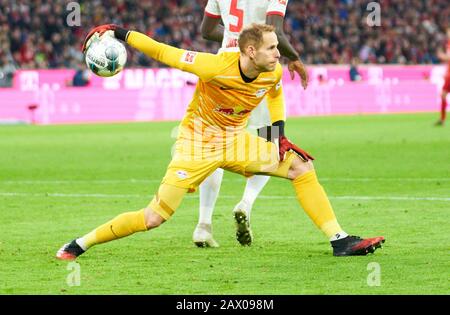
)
(152, 219)
(163, 205)
(299, 167)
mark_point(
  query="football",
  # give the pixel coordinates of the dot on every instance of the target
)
(106, 56)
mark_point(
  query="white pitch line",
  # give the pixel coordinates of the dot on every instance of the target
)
(13, 194)
(80, 181)
(369, 179)
(145, 181)
(112, 196)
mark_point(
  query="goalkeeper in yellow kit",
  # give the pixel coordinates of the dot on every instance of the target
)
(212, 134)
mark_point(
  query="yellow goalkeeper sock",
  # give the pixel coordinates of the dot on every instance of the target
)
(123, 225)
(315, 202)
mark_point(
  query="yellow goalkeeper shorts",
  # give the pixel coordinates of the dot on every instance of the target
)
(244, 153)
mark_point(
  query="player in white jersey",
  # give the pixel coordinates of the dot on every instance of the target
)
(236, 14)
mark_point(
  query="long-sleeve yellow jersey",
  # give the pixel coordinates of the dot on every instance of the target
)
(222, 98)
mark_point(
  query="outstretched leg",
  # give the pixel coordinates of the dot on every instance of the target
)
(314, 201)
(309, 192)
(313, 198)
(162, 207)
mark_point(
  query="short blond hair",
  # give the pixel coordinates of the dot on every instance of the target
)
(253, 35)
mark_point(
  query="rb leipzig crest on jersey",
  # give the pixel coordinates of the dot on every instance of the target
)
(188, 57)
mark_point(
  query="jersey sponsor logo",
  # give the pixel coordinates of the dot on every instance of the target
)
(232, 111)
(189, 57)
(260, 93)
(226, 111)
(282, 2)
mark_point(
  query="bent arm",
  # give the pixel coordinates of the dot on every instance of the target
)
(211, 28)
(284, 46)
(295, 63)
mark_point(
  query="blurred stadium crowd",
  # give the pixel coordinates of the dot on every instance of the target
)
(35, 34)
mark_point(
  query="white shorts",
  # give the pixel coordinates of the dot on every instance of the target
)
(260, 116)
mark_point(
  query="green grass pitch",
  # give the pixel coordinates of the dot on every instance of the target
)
(385, 175)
